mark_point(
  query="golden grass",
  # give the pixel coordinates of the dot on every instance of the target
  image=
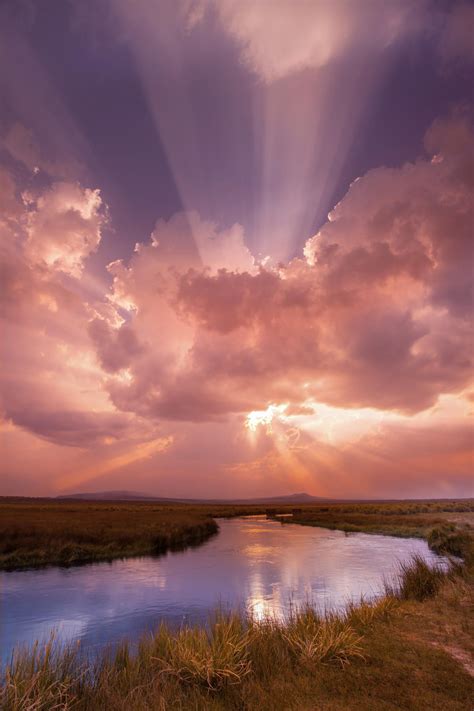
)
(373, 657)
(313, 640)
(195, 656)
(66, 533)
(35, 532)
(445, 529)
(411, 650)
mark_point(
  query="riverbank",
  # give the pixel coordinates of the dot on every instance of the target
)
(412, 650)
(39, 533)
(448, 527)
(408, 651)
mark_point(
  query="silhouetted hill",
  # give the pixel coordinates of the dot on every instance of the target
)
(301, 498)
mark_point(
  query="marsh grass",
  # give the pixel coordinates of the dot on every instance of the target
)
(417, 580)
(314, 640)
(37, 532)
(195, 659)
(70, 533)
(447, 540)
(364, 614)
(238, 661)
(394, 652)
(432, 520)
(210, 660)
(45, 676)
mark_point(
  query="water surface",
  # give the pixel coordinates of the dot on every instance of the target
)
(253, 562)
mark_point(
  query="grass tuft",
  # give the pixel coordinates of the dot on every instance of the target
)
(364, 614)
(45, 677)
(212, 659)
(329, 640)
(240, 662)
(416, 580)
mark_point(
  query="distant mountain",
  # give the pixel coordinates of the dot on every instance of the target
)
(301, 498)
(293, 498)
(112, 496)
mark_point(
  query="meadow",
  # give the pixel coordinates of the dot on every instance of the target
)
(446, 525)
(37, 532)
(44, 532)
(412, 649)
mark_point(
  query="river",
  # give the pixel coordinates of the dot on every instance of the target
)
(252, 563)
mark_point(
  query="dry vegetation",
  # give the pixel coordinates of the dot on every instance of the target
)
(35, 533)
(397, 653)
(446, 525)
(411, 650)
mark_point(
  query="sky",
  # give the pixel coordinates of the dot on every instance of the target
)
(236, 247)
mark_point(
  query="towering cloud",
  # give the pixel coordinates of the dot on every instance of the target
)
(63, 227)
(334, 359)
(51, 384)
(376, 315)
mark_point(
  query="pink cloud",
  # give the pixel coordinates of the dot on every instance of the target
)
(377, 315)
(51, 382)
(64, 227)
(155, 377)
(275, 41)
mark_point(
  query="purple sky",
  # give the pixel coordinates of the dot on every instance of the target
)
(85, 54)
(225, 132)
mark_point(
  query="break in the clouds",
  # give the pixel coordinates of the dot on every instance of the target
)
(276, 41)
(193, 359)
(377, 314)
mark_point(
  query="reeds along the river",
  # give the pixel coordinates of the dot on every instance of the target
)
(230, 651)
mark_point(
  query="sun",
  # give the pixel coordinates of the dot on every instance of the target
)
(256, 418)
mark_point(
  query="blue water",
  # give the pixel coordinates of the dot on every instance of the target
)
(253, 563)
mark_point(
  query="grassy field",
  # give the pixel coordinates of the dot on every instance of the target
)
(36, 532)
(412, 650)
(446, 525)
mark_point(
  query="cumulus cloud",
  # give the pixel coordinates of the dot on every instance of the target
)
(277, 40)
(187, 239)
(376, 315)
(116, 347)
(64, 226)
(51, 383)
(148, 355)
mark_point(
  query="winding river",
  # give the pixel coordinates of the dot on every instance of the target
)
(253, 563)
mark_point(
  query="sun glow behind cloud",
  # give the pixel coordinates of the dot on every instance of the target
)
(258, 418)
(323, 61)
(337, 425)
(354, 355)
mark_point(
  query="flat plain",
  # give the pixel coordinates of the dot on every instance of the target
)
(412, 649)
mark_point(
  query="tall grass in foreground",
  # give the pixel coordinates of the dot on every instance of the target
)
(417, 580)
(206, 667)
(208, 660)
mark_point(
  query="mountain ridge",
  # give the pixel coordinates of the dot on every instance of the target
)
(119, 495)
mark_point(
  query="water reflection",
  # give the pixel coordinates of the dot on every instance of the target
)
(262, 565)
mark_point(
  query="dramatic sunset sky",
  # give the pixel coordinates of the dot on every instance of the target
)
(236, 247)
